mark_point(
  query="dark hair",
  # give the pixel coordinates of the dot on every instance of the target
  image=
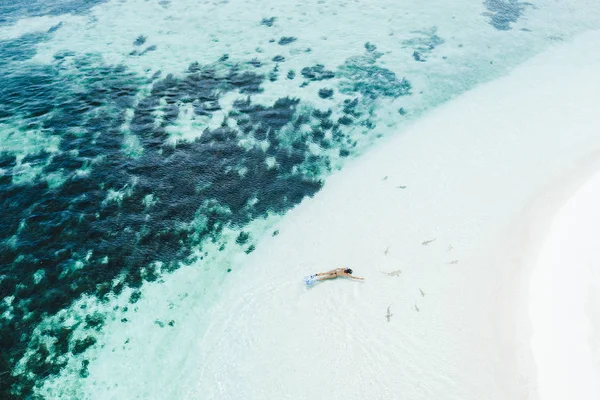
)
(348, 271)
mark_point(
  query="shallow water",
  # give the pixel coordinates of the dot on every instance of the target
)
(146, 146)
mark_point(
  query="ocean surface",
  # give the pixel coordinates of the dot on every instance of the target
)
(146, 147)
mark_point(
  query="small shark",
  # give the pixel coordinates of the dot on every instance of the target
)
(386, 251)
(388, 315)
(393, 273)
(401, 187)
(422, 292)
(417, 308)
(425, 243)
(453, 262)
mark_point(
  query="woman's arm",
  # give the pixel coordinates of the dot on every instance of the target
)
(356, 278)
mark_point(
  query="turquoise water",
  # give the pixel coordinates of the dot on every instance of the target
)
(146, 146)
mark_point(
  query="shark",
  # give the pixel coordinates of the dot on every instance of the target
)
(388, 316)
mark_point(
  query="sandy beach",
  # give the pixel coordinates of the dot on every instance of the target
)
(564, 306)
(445, 222)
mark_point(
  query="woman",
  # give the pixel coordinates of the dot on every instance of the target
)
(334, 273)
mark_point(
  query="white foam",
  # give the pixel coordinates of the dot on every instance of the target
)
(564, 307)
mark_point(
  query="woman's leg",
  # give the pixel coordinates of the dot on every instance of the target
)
(332, 272)
(326, 275)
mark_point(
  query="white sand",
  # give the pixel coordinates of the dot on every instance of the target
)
(565, 305)
(483, 176)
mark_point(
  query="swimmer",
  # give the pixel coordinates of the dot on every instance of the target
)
(334, 273)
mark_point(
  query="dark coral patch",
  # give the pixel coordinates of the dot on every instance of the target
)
(286, 40)
(362, 75)
(317, 73)
(268, 21)
(423, 43)
(325, 93)
(370, 47)
(502, 13)
(140, 40)
(82, 345)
